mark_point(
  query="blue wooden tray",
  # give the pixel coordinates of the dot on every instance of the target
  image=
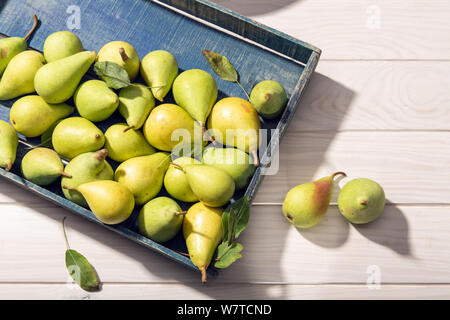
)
(183, 27)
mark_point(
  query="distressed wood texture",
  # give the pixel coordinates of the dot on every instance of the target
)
(355, 29)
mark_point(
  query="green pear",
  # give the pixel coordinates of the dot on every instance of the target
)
(269, 98)
(12, 46)
(86, 167)
(202, 230)
(160, 219)
(125, 144)
(42, 166)
(159, 69)
(76, 135)
(195, 91)
(235, 162)
(169, 125)
(176, 183)
(108, 200)
(56, 81)
(18, 78)
(135, 103)
(32, 116)
(8, 145)
(95, 101)
(61, 44)
(234, 122)
(123, 54)
(212, 186)
(361, 200)
(143, 176)
(306, 204)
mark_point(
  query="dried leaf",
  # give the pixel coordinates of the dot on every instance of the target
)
(221, 66)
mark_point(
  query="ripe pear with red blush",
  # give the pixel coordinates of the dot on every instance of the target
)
(306, 204)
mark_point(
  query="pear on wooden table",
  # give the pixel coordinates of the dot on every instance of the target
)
(18, 78)
(123, 144)
(8, 145)
(56, 81)
(159, 69)
(61, 44)
(42, 166)
(12, 46)
(86, 167)
(202, 230)
(143, 176)
(123, 54)
(76, 135)
(135, 103)
(195, 91)
(32, 116)
(95, 101)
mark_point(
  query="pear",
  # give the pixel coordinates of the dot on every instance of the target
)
(306, 204)
(235, 162)
(86, 167)
(143, 176)
(195, 91)
(202, 230)
(18, 78)
(361, 200)
(159, 69)
(10, 47)
(123, 54)
(42, 166)
(160, 219)
(169, 125)
(32, 116)
(269, 98)
(110, 202)
(135, 103)
(95, 101)
(123, 145)
(56, 81)
(176, 183)
(46, 137)
(8, 145)
(61, 44)
(234, 122)
(76, 135)
(214, 187)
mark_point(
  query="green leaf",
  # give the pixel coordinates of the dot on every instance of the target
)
(221, 66)
(115, 76)
(81, 271)
(227, 254)
(235, 219)
(242, 215)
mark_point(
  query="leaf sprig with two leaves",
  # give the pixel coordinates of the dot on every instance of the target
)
(234, 221)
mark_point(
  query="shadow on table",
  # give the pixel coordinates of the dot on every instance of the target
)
(254, 7)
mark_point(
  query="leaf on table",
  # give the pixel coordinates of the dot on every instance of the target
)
(81, 271)
(227, 254)
(221, 66)
(115, 76)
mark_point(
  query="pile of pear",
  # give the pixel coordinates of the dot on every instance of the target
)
(141, 145)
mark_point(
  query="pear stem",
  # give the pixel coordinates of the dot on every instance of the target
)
(203, 270)
(240, 85)
(127, 129)
(182, 253)
(101, 154)
(65, 235)
(65, 174)
(255, 157)
(123, 54)
(35, 23)
(338, 173)
(181, 213)
(177, 166)
(364, 202)
(8, 165)
(69, 188)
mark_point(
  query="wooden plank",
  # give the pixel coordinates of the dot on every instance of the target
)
(411, 166)
(352, 29)
(405, 245)
(222, 291)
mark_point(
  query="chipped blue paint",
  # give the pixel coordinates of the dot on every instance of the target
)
(151, 25)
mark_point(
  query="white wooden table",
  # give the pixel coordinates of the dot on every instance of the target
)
(377, 107)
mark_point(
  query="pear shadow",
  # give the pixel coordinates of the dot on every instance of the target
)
(254, 7)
